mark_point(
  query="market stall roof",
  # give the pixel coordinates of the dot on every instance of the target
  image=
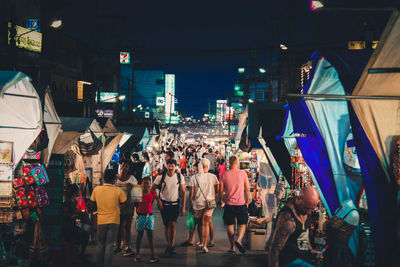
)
(76, 124)
(110, 129)
(19, 125)
(375, 121)
(270, 118)
(52, 122)
(72, 129)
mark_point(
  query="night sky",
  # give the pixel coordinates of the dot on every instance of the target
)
(202, 42)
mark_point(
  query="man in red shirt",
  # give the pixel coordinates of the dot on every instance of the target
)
(235, 183)
(145, 219)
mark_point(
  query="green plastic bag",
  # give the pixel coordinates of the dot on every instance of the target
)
(190, 222)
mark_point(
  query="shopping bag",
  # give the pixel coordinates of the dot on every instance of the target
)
(190, 221)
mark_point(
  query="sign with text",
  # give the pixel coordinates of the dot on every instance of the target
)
(26, 38)
(105, 113)
(169, 94)
(124, 57)
(109, 97)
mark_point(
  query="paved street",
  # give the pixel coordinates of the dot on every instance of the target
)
(217, 255)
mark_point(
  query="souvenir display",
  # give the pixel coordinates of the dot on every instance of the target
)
(6, 152)
(29, 180)
(40, 175)
(5, 189)
(32, 199)
(32, 154)
(42, 197)
(301, 176)
(22, 200)
(6, 173)
(18, 182)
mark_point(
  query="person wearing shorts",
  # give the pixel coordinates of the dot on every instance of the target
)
(171, 186)
(235, 184)
(204, 186)
(145, 219)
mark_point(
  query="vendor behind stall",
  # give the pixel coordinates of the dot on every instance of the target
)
(290, 245)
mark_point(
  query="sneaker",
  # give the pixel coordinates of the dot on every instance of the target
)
(128, 252)
(117, 250)
(137, 257)
(154, 259)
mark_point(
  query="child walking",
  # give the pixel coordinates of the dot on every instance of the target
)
(145, 219)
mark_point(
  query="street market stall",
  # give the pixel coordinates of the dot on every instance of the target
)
(23, 194)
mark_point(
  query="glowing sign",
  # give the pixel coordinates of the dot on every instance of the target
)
(33, 24)
(160, 101)
(124, 57)
(108, 97)
(25, 38)
(169, 94)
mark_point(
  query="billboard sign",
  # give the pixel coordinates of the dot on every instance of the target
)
(173, 120)
(169, 94)
(25, 38)
(108, 97)
(105, 113)
(160, 101)
(124, 57)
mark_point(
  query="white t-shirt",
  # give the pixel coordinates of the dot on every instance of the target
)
(206, 181)
(131, 180)
(170, 190)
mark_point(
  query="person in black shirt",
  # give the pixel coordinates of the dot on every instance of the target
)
(137, 168)
(290, 240)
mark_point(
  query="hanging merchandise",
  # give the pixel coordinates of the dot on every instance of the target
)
(6, 173)
(42, 197)
(301, 176)
(40, 175)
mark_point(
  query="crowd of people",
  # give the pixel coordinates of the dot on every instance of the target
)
(177, 177)
(193, 176)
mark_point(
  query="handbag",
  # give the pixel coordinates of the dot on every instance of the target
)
(210, 203)
(40, 175)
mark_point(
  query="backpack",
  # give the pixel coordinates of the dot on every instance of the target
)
(161, 188)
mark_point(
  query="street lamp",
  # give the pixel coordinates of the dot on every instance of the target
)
(56, 24)
(283, 47)
(315, 5)
(262, 70)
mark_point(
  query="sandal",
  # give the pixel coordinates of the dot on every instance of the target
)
(232, 251)
(211, 244)
(240, 247)
(205, 250)
(187, 244)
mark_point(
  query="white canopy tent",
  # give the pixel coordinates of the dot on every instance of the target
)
(52, 123)
(21, 113)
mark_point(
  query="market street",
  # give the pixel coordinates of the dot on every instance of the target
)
(217, 256)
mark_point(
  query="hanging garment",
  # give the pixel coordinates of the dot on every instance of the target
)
(339, 232)
(89, 149)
